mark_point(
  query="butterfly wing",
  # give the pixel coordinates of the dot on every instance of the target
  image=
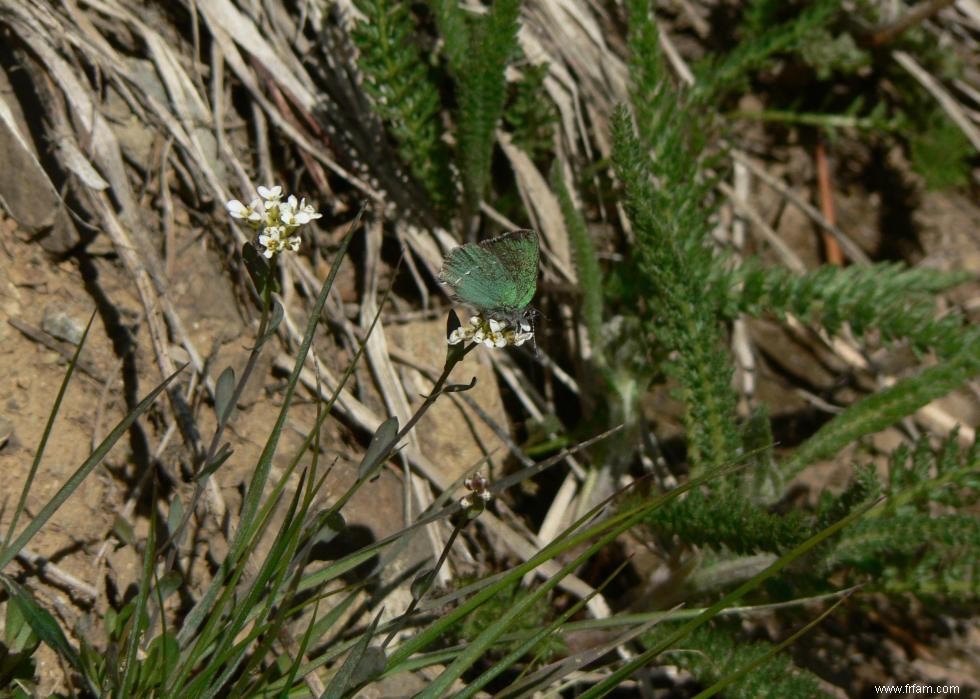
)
(478, 278)
(518, 253)
(496, 276)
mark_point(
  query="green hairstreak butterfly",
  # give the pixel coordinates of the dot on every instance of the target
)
(497, 277)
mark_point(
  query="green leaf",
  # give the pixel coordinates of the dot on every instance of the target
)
(886, 407)
(168, 585)
(41, 622)
(18, 635)
(175, 514)
(377, 452)
(256, 266)
(161, 659)
(64, 492)
(224, 390)
(482, 89)
(222, 456)
(359, 663)
(275, 319)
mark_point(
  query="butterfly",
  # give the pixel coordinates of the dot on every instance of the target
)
(497, 277)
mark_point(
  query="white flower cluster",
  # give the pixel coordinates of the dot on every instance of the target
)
(274, 219)
(492, 332)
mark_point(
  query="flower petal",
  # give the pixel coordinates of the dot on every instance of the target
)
(237, 209)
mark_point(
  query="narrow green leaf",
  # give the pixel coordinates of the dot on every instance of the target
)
(124, 530)
(275, 319)
(175, 515)
(44, 441)
(743, 671)
(344, 679)
(615, 678)
(222, 456)
(256, 486)
(18, 635)
(256, 266)
(377, 452)
(137, 628)
(41, 622)
(224, 389)
(584, 257)
(169, 584)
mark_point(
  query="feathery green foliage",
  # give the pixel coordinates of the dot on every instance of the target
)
(530, 115)
(828, 44)
(673, 253)
(679, 293)
(536, 616)
(907, 547)
(921, 475)
(454, 27)
(675, 260)
(713, 651)
(584, 257)
(727, 518)
(481, 92)
(729, 72)
(886, 407)
(939, 151)
(934, 558)
(886, 297)
(405, 94)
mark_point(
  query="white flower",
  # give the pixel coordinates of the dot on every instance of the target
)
(270, 194)
(522, 334)
(274, 219)
(237, 209)
(271, 240)
(251, 213)
(307, 212)
(492, 332)
(287, 212)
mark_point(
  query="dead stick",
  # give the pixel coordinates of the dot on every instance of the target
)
(830, 245)
(920, 13)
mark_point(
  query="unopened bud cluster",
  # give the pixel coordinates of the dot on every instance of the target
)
(479, 496)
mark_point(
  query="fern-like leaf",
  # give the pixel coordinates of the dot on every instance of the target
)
(404, 94)
(481, 91)
(884, 408)
(712, 652)
(676, 261)
(895, 301)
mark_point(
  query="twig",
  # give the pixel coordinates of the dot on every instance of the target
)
(50, 570)
(946, 101)
(850, 248)
(741, 341)
(918, 14)
(744, 208)
(831, 248)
